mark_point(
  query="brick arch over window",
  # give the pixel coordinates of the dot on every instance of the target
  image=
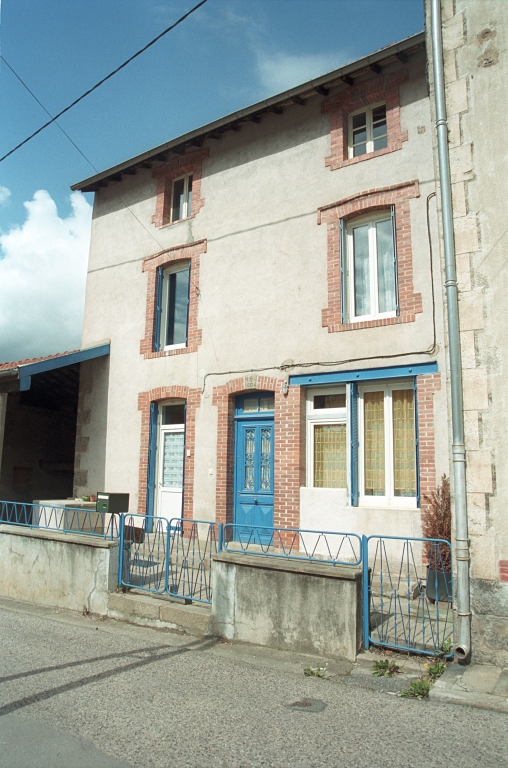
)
(398, 195)
(166, 174)
(289, 447)
(192, 399)
(189, 252)
(384, 88)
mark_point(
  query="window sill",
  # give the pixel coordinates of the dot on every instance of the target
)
(171, 223)
(379, 323)
(174, 346)
(380, 502)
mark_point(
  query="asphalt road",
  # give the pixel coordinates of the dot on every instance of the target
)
(77, 692)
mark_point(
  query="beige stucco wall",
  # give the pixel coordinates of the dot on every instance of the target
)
(263, 284)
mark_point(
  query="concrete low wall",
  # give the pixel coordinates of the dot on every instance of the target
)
(305, 607)
(57, 569)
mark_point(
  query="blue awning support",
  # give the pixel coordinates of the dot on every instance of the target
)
(365, 374)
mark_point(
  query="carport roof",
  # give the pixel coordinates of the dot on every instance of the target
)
(16, 376)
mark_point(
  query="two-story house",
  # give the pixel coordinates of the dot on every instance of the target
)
(270, 285)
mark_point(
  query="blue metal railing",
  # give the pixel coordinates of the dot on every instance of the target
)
(328, 547)
(63, 519)
(407, 605)
(168, 556)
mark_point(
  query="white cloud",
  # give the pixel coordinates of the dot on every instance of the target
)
(4, 195)
(279, 71)
(42, 279)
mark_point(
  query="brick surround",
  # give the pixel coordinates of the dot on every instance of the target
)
(383, 88)
(180, 166)
(289, 448)
(193, 399)
(190, 252)
(426, 386)
(398, 195)
(503, 570)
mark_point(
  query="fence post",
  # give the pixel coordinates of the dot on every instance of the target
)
(221, 537)
(365, 592)
(120, 554)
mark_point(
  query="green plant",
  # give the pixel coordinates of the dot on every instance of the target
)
(384, 668)
(446, 647)
(436, 670)
(418, 689)
(321, 672)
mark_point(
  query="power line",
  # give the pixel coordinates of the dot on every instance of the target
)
(90, 90)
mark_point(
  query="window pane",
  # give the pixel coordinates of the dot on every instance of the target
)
(250, 405)
(250, 447)
(266, 404)
(172, 469)
(361, 269)
(173, 414)
(359, 121)
(404, 452)
(385, 266)
(359, 137)
(374, 443)
(178, 200)
(189, 197)
(266, 466)
(330, 456)
(178, 299)
(329, 401)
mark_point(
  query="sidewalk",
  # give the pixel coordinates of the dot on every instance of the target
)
(478, 685)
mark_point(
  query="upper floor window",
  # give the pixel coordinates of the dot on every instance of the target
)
(173, 306)
(368, 130)
(371, 279)
(181, 198)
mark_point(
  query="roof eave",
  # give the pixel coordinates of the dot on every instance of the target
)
(374, 58)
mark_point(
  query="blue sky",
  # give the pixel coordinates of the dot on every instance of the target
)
(229, 54)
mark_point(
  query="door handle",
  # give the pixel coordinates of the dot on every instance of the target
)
(255, 501)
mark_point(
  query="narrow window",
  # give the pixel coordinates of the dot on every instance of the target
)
(367, 130)
(372, 280)
(327, 438)
(175, 306)
(181, 206)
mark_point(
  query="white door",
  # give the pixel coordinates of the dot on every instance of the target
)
(170, 471)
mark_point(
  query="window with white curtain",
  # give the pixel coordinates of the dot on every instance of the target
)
(371, 270)
(387, 445)
(367, 130)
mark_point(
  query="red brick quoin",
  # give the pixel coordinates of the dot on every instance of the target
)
(289, 448)
(426, 385)
(193, 399)
(383, 88)
(190, 252)
(503, 570)
(399, 195)
(166, 174)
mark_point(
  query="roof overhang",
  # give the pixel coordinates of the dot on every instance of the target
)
(343, 77)
(19, 377)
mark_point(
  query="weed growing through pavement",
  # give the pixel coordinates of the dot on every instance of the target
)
(385, 668)
(446, 647)
(435, 670)
(418, 689)
(321, 672)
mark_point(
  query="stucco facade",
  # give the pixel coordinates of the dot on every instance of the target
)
(265, 299)
(475, 41)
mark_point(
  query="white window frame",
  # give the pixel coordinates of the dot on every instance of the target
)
(186, 212)
(369, 128)
(171, 270)
(389, 499)
(322, 416)
(370, 220)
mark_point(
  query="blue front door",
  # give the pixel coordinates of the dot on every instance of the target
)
(254, 460)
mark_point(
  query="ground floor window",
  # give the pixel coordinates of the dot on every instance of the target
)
(364, 439)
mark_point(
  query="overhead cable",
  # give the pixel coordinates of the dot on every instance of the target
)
(90, 90)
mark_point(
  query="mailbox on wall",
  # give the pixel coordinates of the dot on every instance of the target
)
(114, 503)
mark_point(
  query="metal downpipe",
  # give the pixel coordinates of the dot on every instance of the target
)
(462, 556)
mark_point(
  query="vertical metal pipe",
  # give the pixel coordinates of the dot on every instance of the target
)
(463, 647)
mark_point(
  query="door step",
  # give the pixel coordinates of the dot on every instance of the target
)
(159, 612)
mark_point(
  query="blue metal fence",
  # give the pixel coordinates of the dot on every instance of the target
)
(331, 547)
(168, 557)
(63, 519)
(407, 604)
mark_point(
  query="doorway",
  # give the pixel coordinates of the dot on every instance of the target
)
(254, 443)
(170, 459)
